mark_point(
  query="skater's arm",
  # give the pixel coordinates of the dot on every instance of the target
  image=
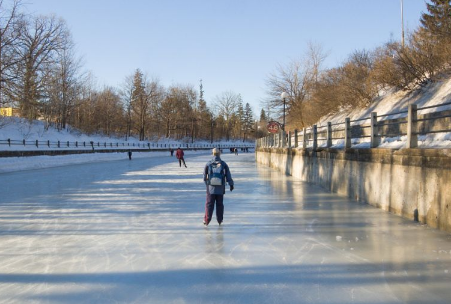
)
(228, 175)
(206, 174)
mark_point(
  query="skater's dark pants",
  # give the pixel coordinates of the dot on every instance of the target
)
(210, 206)
(182, 160)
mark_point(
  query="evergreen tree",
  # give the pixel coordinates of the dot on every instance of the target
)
(438, 21)
(205, 121)
(431, 44)
(139, 103)
(248, 125)
(240, 121)
(263, 116)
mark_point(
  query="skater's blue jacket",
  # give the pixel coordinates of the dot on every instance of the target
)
(228, 176)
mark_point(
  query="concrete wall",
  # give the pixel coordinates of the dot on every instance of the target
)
(413, 183)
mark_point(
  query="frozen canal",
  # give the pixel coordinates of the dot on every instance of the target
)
(131, 232)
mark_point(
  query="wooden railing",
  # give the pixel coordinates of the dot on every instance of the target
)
(372, 129)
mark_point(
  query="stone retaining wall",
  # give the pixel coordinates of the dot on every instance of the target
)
(413, 183)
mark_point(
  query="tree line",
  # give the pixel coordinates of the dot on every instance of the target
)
(424, 57)
(42, 76)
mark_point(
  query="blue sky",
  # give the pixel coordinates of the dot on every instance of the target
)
(230, 45)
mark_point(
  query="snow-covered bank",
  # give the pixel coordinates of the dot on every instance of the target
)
(18, 130)
(392, 102)
(11, 164)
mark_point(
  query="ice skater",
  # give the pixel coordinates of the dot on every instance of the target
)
(180, 156)
(216, 174)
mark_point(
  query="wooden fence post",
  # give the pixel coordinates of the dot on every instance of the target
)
(347, 133)
(315, 137)
(329, 134)
(412, 137)
(289, 139)
(296, 138)
(304, 138)
(374, 136)
(282, 139)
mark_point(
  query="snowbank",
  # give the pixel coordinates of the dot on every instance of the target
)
(11, 164)
(17, 130)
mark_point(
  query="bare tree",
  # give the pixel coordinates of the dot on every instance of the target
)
(83, 116)
(226, 105)
(178, 111)
(126, 94)
(355, 77)
(145, 95)
(63, 85)
(298, 79)
(42, 37)
(10, 30)
(109, 112)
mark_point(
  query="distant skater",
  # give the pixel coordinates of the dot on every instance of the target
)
(180, 156)
(172, 151)
(130, 154)
(216, 174)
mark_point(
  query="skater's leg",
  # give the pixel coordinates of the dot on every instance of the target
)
(180, 162)
(219, 208)
(209, 207)
(184, 161)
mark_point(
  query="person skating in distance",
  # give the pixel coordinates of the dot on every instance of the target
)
(180, 156)
(216, 174)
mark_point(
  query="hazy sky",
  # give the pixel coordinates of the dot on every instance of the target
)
(229, 44)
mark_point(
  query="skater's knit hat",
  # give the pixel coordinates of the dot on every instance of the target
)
(216, 151)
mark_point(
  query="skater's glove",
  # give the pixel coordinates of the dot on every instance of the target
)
(231, 188)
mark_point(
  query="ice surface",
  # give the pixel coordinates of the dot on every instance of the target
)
(131, 232)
